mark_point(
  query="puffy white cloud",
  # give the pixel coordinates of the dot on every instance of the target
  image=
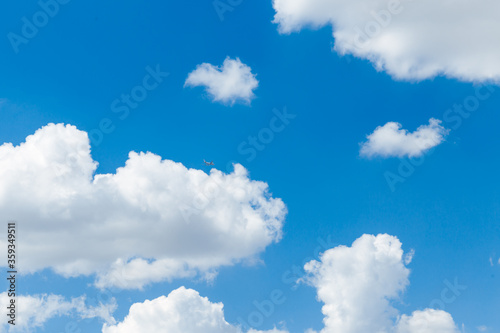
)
(232, 82)
(427, 321)
(391, 140)
(182, 311)
(152, 220)
(408, 39)
(358, 284)
(33, 311)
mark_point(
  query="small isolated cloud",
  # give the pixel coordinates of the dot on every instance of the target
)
(407, 39)
(482, 328)
(182, 311)
(493, 261)
(152, 220)
(409, 257)
(35, 310)
(358, 284)
(391, 140)
(231, 83)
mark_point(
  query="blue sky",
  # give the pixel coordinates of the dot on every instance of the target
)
(446, 210)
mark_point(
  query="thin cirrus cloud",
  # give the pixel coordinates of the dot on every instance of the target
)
(391, 140)
(358, 286)
(35, 310)
(231, 83)
(152, 220)
(410, 40)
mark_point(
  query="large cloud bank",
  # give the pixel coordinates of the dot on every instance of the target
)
(152, 220)
(408, 39)
(358, 286)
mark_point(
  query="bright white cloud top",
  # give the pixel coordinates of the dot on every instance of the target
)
(35, 310)
(182, 311)
(427, 321)
(357, 285)
(152, 220)
(231, 83)
(391, 140)
(408, 39)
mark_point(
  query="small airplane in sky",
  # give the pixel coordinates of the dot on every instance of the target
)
(208, 163)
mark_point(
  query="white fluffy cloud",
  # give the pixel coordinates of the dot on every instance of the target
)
(33, 311)
(182, 311)
(408, 39)
(391, 140)
(357, 285)
(231, 83)
(152, 220)
(427, 321)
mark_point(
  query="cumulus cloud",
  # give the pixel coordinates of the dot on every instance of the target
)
(34, 310)
(408, 39)
(427, 321)
(182, 311)
(152, 220)
(231, 83)
(358, 285)
(391, 140)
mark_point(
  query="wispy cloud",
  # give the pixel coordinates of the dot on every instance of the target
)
(35, 310)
